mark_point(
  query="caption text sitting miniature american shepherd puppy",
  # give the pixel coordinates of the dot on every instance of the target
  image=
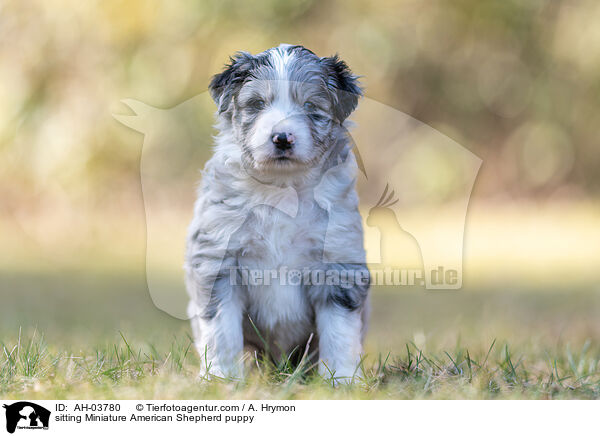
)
(275, 256)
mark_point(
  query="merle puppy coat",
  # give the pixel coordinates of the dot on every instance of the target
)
(275, 249)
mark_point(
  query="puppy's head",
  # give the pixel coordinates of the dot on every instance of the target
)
(284, 105)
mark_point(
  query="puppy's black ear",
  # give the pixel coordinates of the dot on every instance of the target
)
(343, 84)
(223, 86)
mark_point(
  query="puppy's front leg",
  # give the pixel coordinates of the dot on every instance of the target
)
(340, 345)
(217, 326)
(341, 311)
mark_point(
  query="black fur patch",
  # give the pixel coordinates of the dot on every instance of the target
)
(224, 86)
(344, 84)
(351, 295)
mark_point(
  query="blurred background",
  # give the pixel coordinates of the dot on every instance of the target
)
(515, 83)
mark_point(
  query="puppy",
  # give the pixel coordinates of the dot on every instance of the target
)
(275, 249)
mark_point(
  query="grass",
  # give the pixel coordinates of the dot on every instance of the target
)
(76, 335)
(31, 368)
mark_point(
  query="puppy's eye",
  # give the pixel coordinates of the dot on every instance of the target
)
(257, 104)
(317, 118)
(309, 107)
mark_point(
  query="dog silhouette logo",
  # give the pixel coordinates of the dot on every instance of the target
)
(26, 415)
(416, 228)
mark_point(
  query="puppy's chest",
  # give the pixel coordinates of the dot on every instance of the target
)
(272, 239)
(272, 245)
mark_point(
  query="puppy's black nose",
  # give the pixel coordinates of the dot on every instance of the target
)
(283, 141)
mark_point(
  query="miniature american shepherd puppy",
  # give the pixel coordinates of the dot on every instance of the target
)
(275, 258)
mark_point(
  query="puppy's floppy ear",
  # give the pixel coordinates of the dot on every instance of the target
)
(343, 84)
(224, 85)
